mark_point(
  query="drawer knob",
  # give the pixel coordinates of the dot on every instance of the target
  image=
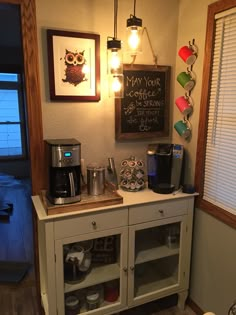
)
(94, 224)
(161, 211)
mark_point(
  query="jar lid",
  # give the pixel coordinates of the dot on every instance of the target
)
(95, 167)
(92, 296)
(71, 301)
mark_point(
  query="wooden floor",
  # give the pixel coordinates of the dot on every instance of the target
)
(17, 235)
(19, 299)
(169, 311)
(165, 306)
(17, 245)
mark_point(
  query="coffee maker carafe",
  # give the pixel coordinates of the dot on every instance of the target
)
(64, 170)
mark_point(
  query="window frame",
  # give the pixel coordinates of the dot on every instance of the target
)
(217, 212)
(9, 85)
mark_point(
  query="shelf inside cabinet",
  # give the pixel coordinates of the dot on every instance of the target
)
(152, 253)
(153, 284)
(155, 276)
(97, 275)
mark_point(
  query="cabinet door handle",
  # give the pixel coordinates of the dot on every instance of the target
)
(125, 269)
(132, 268)
(94, 224)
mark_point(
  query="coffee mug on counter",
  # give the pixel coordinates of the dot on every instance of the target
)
(188, 54)
(186, 80)
(184, 104)
(183, 128)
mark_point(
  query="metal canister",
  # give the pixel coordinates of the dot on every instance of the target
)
(95, 179)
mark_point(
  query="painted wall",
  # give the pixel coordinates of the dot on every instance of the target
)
(213, 274)
(93, 123)
(171, 24)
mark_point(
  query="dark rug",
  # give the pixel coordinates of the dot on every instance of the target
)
(13, 271)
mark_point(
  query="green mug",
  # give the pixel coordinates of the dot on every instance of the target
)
(186, 81)
(182, 128)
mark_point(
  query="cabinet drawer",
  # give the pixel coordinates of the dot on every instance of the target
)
(87, 223)
(157, 211)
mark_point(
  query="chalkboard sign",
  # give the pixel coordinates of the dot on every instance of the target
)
(144, 110)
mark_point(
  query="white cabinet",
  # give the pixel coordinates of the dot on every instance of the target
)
(160, 248)
(127, 255)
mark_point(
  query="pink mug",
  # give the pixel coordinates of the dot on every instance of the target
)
(187, 54)
(184, 104)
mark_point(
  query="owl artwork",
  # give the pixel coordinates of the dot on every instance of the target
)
(74, 72)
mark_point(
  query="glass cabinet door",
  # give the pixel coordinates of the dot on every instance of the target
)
(155, 261)
(91, 272)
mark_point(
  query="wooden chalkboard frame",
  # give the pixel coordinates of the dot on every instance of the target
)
(162, 74)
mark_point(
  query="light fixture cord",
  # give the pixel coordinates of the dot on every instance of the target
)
(150, 44)
(115, 18)
(134, 6)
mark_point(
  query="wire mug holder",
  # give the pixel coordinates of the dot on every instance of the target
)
(189, 55)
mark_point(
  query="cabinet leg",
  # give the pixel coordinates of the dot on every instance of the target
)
(182, 296)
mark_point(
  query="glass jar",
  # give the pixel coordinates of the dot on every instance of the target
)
(72, 306)
(92, 300)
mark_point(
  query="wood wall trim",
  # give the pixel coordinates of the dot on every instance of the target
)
(194, 306)
(217, 212)
(32, 85)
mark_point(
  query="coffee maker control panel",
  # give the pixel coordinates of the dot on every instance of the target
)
(65, 156)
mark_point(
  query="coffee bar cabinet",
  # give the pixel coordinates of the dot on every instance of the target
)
(108, 259)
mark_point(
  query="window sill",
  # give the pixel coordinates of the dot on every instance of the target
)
(218, 213)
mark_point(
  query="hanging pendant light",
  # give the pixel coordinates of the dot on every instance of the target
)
(134, 33)
(115, 61)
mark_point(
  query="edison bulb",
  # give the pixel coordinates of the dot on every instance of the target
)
(115, 60)
(134, 40)
(116, 85)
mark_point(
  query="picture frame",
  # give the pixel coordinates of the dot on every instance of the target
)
(73, 66)
(143, 112)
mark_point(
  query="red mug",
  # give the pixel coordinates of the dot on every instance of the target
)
(187, 54)
(184, 104)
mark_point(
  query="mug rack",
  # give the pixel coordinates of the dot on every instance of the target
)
(188, 81)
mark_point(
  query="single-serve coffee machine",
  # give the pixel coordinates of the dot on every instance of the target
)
(165, 167)
(64, 170)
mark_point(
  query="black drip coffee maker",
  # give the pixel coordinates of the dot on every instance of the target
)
(64, 170)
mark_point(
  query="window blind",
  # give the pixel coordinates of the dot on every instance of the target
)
(220, 168)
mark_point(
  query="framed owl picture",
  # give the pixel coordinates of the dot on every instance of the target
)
(73, 66)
